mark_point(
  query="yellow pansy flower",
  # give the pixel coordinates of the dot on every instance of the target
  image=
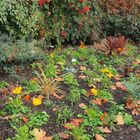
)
(17, 90)
(94, 91)
(52, 55)
(37, 101)
(105, 70)
(110, 75)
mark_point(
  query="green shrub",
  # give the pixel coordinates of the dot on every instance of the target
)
(17, 17)
(20, 51)
(71, 20)
(128, 26)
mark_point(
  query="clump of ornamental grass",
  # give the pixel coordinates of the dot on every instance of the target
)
(48, 86)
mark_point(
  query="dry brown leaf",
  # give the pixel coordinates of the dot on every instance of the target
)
(59, 96)
(40, 134)
(73, 122)
(119, 119)
(82, 68)
(4, 91)
(113, 87)
(76, 122)
(99, 137)
(47, 138)
(25, 119)
(105, 118)
(54, 109)
(120, 86)
(82, 76)
(82, 105)
(105, 129)
(135, 112)
(117, 77)
(97, 101)
(59, 79)
(63, 135)
(41, 97)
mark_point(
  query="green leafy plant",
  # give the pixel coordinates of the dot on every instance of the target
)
(63, 114)
(74, 95)
(16, 106)
(133, 86)
(70, 79)
(79, 133)
(3, 84)
(38, 119)
(50, 70)
(22, 133)
(31, 86)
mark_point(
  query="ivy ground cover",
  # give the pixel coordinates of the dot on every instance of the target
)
(79, 93)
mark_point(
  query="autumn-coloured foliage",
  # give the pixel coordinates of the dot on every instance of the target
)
(112, 45)
(121, 6)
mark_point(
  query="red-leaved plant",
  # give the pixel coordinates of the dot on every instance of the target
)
(112, 45)
(116, 44)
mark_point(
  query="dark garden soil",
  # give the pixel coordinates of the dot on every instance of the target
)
(5, 130)
(125, 133)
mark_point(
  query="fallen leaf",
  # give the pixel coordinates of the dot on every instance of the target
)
(82, 68)
(135, 112)
(105, 101)
(40, 134)
(59, 96)
(97, 101)
(72, 123)
(99, 137)
(68, 126)
(76, 122)
(119, 85)
(119, 119)
(117, 77)
(82, 105)
(105, 118)
(82, 76)
(105, 129)
(59, 79)
(25, 119)
(113, 87)
(63, 135)
(4, 91)
(41, 97)
(54, 109)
